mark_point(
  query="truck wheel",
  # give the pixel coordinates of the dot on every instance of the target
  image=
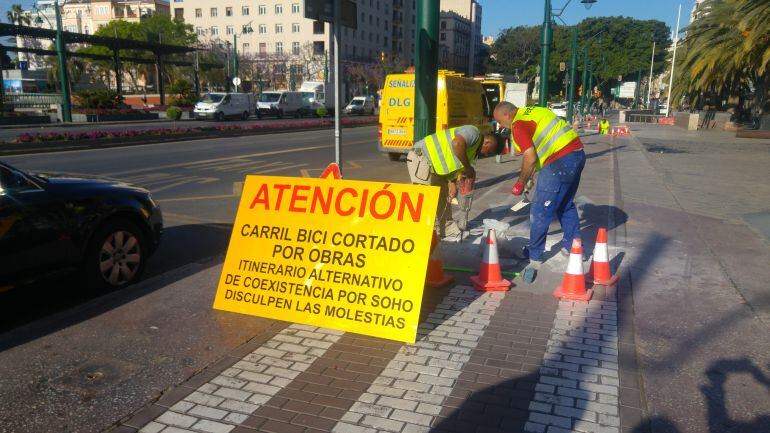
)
(394, 156)
(245, 115)
(220, 116)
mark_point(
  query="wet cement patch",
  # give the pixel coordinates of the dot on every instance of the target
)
(759, 222)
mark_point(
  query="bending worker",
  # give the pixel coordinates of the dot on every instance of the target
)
(604, 127)
(547, 144)
(439, 159)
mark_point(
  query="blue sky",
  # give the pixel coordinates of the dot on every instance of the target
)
(500, 14)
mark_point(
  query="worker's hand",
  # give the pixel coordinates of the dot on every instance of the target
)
(517, 189)
(452, 191)
(470, 172)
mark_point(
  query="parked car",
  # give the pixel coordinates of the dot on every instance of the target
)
(361, 105)
(220, 106)
(52, 223)
(280, 103)
(559, 110)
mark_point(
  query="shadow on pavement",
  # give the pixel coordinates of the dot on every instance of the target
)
(33, 311)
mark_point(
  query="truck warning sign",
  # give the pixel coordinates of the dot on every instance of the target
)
(342, 254)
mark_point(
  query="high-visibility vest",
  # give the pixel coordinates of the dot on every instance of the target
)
(552, 133)
(604, 127)
(439, 148)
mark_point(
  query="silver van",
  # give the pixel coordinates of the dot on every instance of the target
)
(219, 106)
(280, 103)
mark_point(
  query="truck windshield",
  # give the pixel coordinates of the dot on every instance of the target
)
(209, 98)
(269, 97)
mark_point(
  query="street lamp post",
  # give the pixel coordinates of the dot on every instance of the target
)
(572, 75)
(426, 68)
(235, 60)
(649, 79)
(546, 38)
(66, 108)
(585, 80)
(673, 62)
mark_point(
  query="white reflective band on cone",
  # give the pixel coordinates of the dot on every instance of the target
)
(600, 253)
(490, 254)
(575, 265)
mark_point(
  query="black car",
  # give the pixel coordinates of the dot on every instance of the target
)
(52, 223)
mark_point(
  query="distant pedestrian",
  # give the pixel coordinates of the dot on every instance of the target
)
(604, 127)
(549, 145)
(441, 158)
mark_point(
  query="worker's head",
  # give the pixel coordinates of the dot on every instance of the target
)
(489, 145)
(504, 113)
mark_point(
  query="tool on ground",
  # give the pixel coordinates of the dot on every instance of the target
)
(490, 277)
(599, 273)
(435, 277)
(573, 286)
(465, 190)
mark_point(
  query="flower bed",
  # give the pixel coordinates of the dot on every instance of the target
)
(199, 130)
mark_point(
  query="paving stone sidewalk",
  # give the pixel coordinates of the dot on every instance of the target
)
(483, 361)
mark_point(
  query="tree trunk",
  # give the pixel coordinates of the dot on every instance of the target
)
(760, 95)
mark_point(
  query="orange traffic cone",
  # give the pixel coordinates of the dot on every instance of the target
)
(600, 273)
(573, 287)
(489, 277)
(435, 276)
(332, 171)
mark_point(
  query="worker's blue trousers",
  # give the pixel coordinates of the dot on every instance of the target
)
(557, 184)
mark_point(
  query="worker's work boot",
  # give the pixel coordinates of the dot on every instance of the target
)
(522, 254)
(530, 272)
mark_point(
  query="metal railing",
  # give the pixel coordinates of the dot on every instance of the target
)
(31, 100)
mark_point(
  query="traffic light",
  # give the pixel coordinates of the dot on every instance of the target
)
(580, 90)
(382, 56)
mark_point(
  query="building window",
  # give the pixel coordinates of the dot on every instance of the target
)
(295, 28)
(295, 48)
(214, 12)
(318, 48)
(370, 20)
(246, 46)
(386, 24)
(228, 11)
(214, 31)
(179, 13)
(318, 27)
(199, 31)
(245, 11)
(198, 13)
(295, 8)
(261, 9)
(443, 25)
(279, 47)
(262, 29)
(229, 30)
(247, 29)
(385, 41)
(262, 48)
(279, 28)
(278, 9)
(443, 36)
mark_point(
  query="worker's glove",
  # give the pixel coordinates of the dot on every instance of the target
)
(518, 188)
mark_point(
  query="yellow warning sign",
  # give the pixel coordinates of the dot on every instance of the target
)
(342, 254)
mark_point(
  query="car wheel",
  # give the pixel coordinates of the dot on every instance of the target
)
(245, 115)
(280, 114)
(394, 156)
(220, 116)
(116, 256)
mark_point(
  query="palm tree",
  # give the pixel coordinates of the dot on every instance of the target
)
(17, 16)
(728, 49)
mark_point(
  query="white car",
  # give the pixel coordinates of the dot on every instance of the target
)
(360, 105)
(219, 106)
(559, 110)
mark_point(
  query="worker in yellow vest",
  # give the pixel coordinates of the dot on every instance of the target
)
(441, 158)
(604, 127)
(550, 146)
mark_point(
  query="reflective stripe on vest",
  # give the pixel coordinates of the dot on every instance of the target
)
(442, 158)
(552, 133)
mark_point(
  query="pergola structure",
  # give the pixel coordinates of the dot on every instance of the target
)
(159, 51)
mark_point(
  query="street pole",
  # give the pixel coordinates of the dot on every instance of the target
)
(545, 56)
(196, 76)
(585, 81)
(66, 109)
(649, 79)
(235, 59)
(337, 88)
(673, 62)
(638, 90)
(572, 75)
(590, 90)
(426, 68)
(227, 67)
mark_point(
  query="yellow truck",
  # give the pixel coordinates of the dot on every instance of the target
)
(460, 101)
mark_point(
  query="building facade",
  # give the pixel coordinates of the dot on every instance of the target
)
(454, 42)
(469, 10)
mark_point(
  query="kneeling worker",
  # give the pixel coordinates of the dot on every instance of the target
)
(548, 144)
(439, 159)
